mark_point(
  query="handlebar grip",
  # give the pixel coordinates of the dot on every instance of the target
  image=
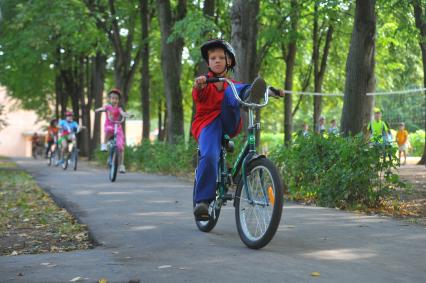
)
(213, 80)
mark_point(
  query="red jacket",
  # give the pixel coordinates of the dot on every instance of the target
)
(208, 105)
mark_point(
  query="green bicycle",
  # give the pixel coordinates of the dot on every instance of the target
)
(258, 199)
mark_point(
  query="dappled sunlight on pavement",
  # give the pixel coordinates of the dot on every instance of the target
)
(145, 227)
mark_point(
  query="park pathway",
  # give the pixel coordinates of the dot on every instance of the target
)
(145, 230)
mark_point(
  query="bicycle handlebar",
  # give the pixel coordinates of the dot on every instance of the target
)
(114, 122)
(237, 97)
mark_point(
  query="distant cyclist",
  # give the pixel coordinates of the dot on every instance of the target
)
(51, 137)
(114, 113)
(67, 130)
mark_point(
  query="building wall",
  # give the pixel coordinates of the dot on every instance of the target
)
(15, 138)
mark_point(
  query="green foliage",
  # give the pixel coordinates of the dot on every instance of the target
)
(417, 141)
(158, 157)
(337, 171)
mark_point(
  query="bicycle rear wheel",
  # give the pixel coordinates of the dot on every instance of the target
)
(259, 215)
(113, 164)
(214, 212)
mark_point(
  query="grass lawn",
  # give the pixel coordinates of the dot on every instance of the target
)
(30, 221)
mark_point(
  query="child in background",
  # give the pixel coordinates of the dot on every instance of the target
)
(51, 137)
(402, 140)
(333, 130)
(114, 112)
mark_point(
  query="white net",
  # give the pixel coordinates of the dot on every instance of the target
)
(407, 106)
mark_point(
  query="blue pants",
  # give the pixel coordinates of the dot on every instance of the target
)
(210, 140)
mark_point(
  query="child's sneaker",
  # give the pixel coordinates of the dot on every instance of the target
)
(122, 169)
(201, 211)
(104, 147)
(257, 90)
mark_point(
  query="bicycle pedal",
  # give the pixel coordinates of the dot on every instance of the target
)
(228, 197)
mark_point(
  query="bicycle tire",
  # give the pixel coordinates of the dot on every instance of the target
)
(207, 226)
(49, 158)
(75, 158)
(57, 157)
(65, 164)
(274, 197)
(113, 166)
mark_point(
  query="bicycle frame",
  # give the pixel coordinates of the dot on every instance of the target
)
(248, 151)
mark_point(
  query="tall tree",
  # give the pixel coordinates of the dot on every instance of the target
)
(97, 79)
(289, 53)
(114, 23)
(320, 63)
(360, 77)
(420, 17)
(244, 23)
(171, 56)
(145, 75)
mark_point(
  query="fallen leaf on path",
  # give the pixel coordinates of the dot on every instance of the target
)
(115, 253)
(315, 274)
(103, 280)
(164, 266)
(78, 278)
(14, 253)
(20, 274)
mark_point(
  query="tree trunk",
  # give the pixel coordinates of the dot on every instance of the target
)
(85, 103)
(290, 59)
(419, 15)
(319, 69)
(97, 80)
(244, 24)
(145, 75)
(171, 55)
(360, 77)
(201, 67)
(244, 30)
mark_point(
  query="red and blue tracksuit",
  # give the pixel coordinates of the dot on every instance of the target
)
(217, 114)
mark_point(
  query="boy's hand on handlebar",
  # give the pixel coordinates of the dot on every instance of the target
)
(200, 82)
(277, 93)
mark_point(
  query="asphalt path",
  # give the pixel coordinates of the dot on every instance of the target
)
(144, 229)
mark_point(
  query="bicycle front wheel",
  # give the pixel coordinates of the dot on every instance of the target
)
(49, 158)
(113, 164)
(258, 208)
(75, 158)
(66, 160)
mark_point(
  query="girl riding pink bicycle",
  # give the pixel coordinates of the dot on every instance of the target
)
(114, 112)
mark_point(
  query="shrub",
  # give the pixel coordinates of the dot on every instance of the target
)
(158, 157)
(417, 141)
(337, 171)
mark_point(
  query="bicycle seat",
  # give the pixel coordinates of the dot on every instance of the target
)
(227, 143)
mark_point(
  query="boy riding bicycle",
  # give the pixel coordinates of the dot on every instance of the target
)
(67, 130)
(217, 114)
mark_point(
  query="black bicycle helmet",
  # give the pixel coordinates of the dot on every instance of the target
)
(218, 43)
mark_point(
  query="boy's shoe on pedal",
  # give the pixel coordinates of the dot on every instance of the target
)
(104, 147)
(122, 169)
(257, 90)
(201, 211)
